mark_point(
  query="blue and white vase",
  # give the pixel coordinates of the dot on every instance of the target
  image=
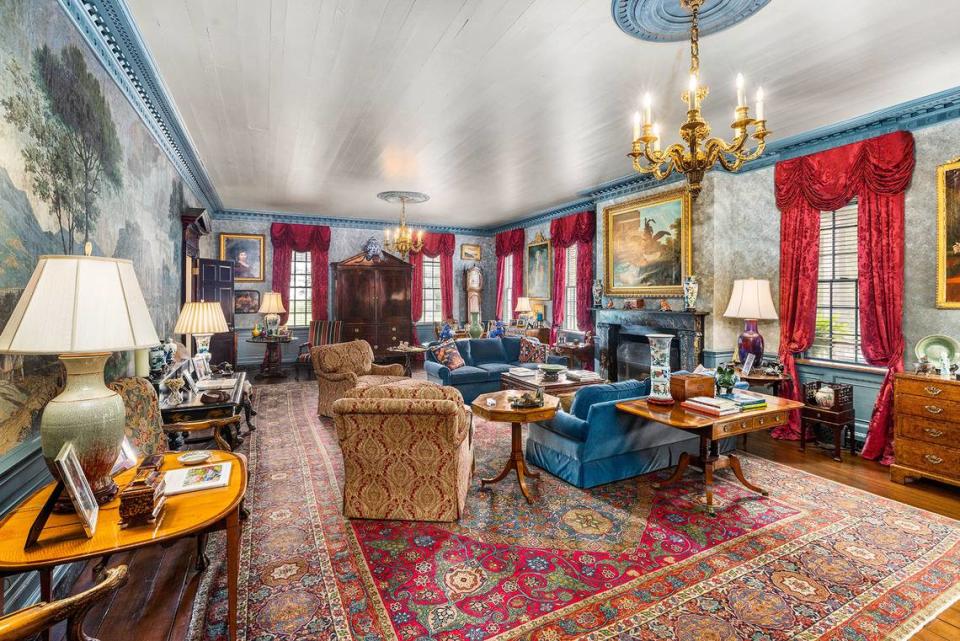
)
(660, 369)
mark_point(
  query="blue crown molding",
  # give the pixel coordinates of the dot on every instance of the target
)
(667, 21)
(254, 215)
(111, 33)
(544, 215)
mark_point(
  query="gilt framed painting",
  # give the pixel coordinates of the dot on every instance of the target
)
(246, 301)
(246, 252)
(948, 235)
(538, 268)
(647, 245)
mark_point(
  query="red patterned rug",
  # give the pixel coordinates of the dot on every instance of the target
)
(815, 560)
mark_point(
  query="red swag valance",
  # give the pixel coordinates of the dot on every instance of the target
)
(286, 239)
(510, 243)
(579, 229)
(442, 245)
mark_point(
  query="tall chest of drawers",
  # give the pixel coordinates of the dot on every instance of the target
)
(926, 429)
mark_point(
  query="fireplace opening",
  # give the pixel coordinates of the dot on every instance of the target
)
(633, 357)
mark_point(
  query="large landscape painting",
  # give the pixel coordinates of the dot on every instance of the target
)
(76, 165)
(948, 236)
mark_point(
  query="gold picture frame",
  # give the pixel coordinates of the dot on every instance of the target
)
(471, 252)
(948, 235)
(670, 258)
(246, 252)
(538, 269)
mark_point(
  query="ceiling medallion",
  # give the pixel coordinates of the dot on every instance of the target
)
(698, 153)
(666, 21)
(403, 241)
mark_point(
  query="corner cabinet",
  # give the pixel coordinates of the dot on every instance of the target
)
(372, 298)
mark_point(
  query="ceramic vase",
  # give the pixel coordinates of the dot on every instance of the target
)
(476, 330)
(690, 290)
(660, 369)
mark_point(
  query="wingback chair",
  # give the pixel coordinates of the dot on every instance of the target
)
(144, 426)
(322, 332)
(407, 452)
(344, 366)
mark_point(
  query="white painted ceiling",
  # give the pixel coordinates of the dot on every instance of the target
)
(498, 108)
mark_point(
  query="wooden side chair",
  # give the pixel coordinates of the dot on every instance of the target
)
(322, 332)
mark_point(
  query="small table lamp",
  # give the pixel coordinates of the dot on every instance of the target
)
(272, 307)
(751, 301)
(82, 308)
(523, 306)
(203, 320)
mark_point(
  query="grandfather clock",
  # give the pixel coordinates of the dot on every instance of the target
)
(473, 289)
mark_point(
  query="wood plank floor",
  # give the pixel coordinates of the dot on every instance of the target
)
(156, 601)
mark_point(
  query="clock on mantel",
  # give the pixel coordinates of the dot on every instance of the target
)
(473, 289)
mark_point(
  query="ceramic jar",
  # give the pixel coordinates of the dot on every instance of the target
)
(660, 369)
(690, 290)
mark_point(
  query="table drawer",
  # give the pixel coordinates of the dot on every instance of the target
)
(931, 388)
(931, 431)
(921, 455)
(743, 425)
(829, 416)
(926, 407)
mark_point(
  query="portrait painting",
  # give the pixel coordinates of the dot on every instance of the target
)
(538, 282)
(470, 252)
(246, 301)
(647, 245)
(246, 252)
(948, 235)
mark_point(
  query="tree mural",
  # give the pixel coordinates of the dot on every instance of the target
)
(73, 152)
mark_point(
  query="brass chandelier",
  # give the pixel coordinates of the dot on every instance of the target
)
(698, 153)
(403, 241)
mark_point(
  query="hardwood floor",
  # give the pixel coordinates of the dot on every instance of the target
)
(156, 601)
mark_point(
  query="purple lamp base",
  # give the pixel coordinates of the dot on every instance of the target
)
(750, 342)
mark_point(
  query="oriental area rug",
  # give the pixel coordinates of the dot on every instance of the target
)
(814, 560)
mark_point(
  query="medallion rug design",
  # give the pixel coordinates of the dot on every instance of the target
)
(815, 560)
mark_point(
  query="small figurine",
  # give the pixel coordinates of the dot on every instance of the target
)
(174, 385)
(945, 366)
(446, 332)
(256, 330)
(924, 366)
(610, 304)
(629, 304)
(641, 303)
(498, 331)
(665, 305)
(726, 378)
(597, 293)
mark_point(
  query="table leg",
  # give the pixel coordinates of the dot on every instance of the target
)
(709, 460)
(677, 472)
(516, 463)
(233, 571)
(803, 435)
(853, 438)
(46, 594)
(837, 443)
(738, 472)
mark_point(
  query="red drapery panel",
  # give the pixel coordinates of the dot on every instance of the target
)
(509, 243)
(878, 172)
(442, 245)
(286, 239)
(579, 228)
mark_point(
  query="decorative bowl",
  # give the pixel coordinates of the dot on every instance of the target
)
(194, 457)
(551, 372)
(933, 347)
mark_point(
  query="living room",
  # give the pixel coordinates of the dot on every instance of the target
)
(541, 319)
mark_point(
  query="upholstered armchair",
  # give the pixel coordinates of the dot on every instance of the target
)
(144, 426)
(322, 332)
(407, 452)
(344, 366)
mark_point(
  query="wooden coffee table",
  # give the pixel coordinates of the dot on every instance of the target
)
(711, 430)
(502, 412)
(532, 383)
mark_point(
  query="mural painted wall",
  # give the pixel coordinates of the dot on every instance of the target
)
(76, 165)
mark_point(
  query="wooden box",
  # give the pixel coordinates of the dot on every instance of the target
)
(142, 499)
(684, 386)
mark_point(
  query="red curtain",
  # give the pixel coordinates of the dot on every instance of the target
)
(286, 239)
(878, 172)
(579, 228)
(509, 243)
(442, 245)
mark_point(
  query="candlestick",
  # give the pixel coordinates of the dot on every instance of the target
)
(636, 125)
(647, 109)
(693, 92)
(759, 103)
(656, 140)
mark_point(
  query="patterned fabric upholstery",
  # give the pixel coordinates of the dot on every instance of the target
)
(448, 355)
(342, 366)
(532, 351)
(144, 425)
(322, 332)
(407, 452)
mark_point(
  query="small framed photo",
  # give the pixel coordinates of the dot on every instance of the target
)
(78, 488)
(190, 380)
(246, 252)
(201, 368)
(470, 252)
(128, 457)
(246, 301)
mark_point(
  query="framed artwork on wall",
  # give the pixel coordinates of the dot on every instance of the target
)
(538, 267)
(246, 252)
(470, 252)
(647, 245)
(246, 301)
(948, 235)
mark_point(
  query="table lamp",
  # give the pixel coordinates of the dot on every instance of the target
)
(523, 307)
(203, 320)
(272, 307)
(751, 301)
(82, 308)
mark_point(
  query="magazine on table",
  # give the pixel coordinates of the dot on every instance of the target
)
(190, 479)
(522, 371)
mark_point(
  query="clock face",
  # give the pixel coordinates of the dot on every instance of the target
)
(473, 278)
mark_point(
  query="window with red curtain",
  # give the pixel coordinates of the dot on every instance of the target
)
(509, 243)
(574, 230)
(434, 245)
(288, 238)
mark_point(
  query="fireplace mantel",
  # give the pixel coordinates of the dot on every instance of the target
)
(615, 325)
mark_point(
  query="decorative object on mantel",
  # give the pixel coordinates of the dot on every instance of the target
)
(82, 308)
(271, 308)
(403, 241)
(751, 301)
(372, 249)
(598, 293)
(690, 290)
(202, 319)
(629, 304)
(665, 305)
(610, 304)
(948, 235)
(660, 369)
(698, 153)
(648, 246)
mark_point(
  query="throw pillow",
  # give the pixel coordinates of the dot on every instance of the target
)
(532, 351)
(447, 354)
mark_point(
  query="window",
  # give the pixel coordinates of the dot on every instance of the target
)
(837, 336)
(508, 288)
(432, 306)
(570, 290)
(301, 290)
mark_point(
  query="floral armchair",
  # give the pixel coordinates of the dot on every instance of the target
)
(343, 366)
(407, 452)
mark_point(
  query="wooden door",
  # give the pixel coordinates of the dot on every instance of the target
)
(215, 282)
(356, 296)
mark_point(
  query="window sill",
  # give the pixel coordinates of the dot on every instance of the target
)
(850, 367)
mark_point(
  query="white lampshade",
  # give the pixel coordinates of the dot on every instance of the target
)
(272, 304)
(201, 318)
(523, 305)
(751, 299)
(80, 305)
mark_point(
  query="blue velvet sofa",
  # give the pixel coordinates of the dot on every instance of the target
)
(595, 443)
(486, 359)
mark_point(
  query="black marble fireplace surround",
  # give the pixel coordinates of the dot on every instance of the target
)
(617, 327)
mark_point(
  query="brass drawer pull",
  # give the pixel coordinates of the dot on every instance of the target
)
(933, 458)
(932, 432)
(933, 409)
(932, 390)
(356, 330)
(393, 329)
(393, 337)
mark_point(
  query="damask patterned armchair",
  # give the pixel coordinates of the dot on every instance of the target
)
(407, 452)
(344, 366)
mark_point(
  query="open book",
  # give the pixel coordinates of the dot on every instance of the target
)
(204, 477)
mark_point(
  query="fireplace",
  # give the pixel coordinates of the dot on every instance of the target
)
(633, 356)
(623, 348)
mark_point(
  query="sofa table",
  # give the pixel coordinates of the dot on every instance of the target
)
(501, 412)
(711, 430)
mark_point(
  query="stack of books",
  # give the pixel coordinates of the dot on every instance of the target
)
(711, 405)
(522, 371)
(582, 375)
(749, 401)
